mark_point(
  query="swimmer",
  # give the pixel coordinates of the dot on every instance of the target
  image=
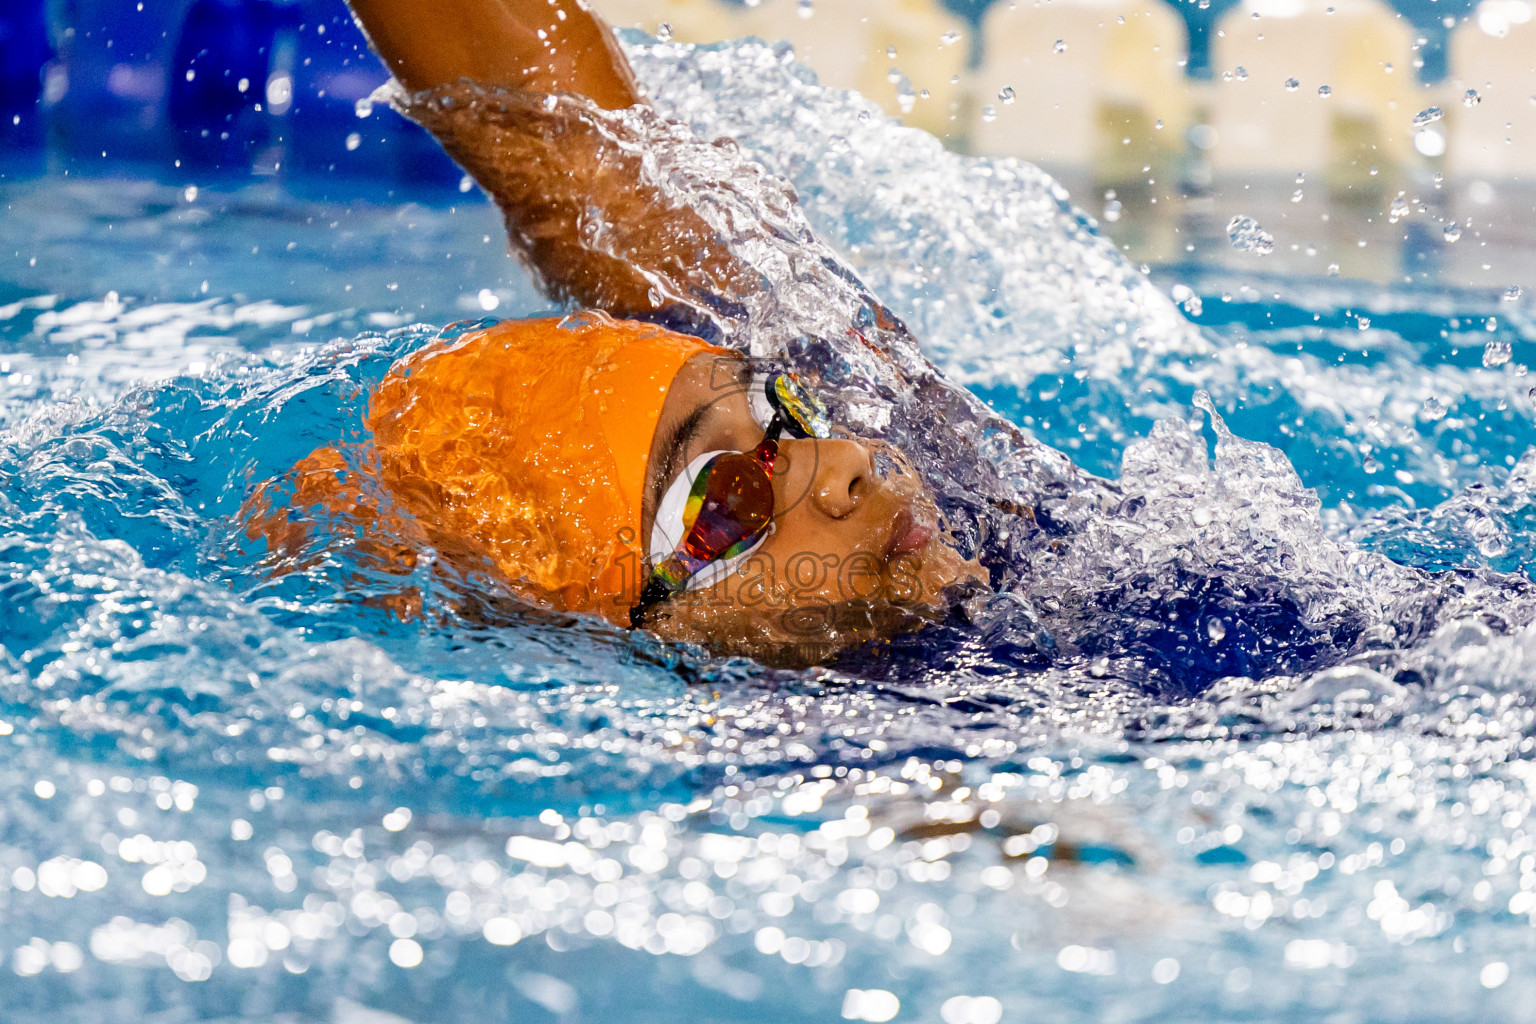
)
(598, 463)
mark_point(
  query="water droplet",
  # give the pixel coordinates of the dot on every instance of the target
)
(1216, 630)
(1061, 46)
(189, 193)
(1452, 231)
(1429, 115)
(353, 141)
(1513, 293)
(363, 107)
(1158, 124)
(1439, 178)
(1333, 270)
(1296, 196)
(1397, 210)
(1433, 408)
(1496, 353)
(1324, 91)
(1470, 98)
(806, 8)
(1247, 236)
(1363, 322)
(950, 38)
(1291, 85)
(1005, 95)
(1240, 73)
(664, 31)
(893, 76)
(466, 183)
(989, 113)
(890, 53)
(1112, 210)
(488, 299)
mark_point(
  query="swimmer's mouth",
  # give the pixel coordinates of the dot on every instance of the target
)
(909, 533)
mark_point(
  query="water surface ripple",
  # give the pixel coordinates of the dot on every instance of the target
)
(238, 798)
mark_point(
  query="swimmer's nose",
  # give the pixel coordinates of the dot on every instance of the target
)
(844, 473)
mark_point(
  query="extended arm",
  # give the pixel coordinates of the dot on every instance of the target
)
(540, 45)
(581, 202)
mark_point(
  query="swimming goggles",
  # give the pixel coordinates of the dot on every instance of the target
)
(720, 508)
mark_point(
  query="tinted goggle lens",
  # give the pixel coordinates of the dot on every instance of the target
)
(729, 507)
(802, 413)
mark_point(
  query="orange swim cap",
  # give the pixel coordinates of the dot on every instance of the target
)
(523, 448)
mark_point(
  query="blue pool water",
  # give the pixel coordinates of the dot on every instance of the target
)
(234, 798)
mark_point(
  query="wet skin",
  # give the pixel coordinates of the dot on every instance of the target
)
(856, 551)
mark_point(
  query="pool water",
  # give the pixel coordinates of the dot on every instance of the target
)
(230, 797)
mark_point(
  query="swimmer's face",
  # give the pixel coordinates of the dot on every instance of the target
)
(856, 551)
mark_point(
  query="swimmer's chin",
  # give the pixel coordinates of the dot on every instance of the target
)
(800, 634)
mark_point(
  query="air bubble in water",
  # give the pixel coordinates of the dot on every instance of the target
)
(466, 183)
(1397, 210)
(1513, 293)
(1247, 236)
(893, 76)
(363, 107)
(1429, 115)
(1005, 95)
(1452, 231)
(353, 141)
(664, 32)
(890, 53)
(989, 113)
(189, 193)
(1470, 98)
(806, 8)
(1060, 46)
(1240, 73)
(1325, 91)
(1433, 408)
(1291, 85)
(1112, 210)
(950, 38)
(1296, 196)
(1496, 353)
(906, 97)
(1216, 630)
(1333, 270)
